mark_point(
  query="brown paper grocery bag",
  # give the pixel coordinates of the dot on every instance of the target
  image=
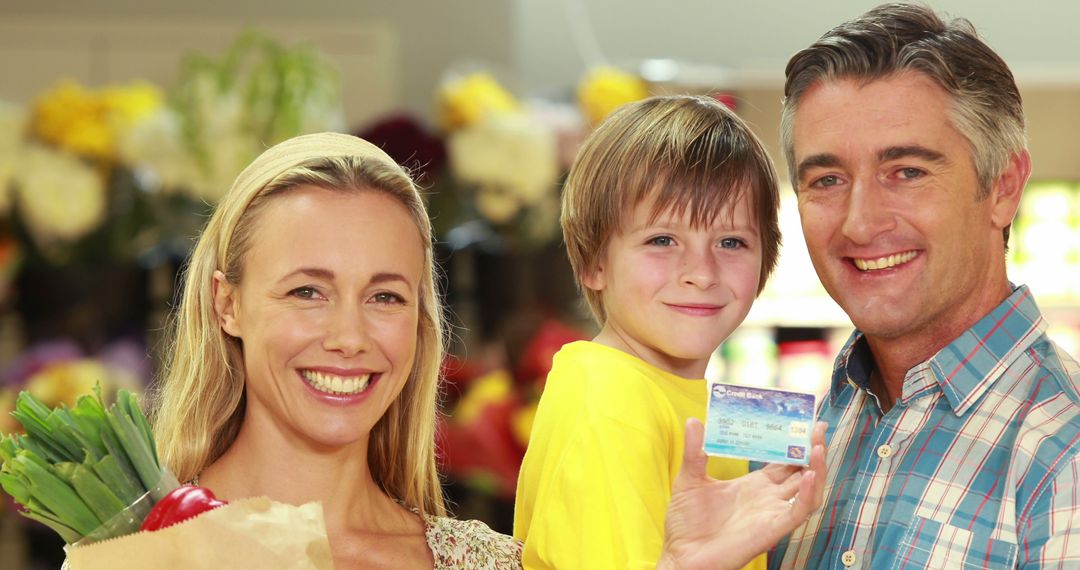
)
(250, 533)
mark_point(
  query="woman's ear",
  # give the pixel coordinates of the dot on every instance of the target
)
(225, 304)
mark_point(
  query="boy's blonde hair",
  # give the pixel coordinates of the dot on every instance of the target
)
(686, 153)
(199, 403)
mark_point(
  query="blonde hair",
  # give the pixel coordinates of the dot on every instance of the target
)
(199, 402)
(687, 153)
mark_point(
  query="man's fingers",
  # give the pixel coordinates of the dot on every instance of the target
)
(818, 461)
(805, 501)
(779, 472)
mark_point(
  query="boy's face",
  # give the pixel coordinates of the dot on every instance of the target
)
(673, 293)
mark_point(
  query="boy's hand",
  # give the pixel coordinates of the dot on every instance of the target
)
(725, 524)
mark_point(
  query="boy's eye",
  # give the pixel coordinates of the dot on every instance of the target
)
(731, 243)
(664, 241)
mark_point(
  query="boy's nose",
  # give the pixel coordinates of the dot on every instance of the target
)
(700, 269)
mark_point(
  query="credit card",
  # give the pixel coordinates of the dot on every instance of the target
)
(759, 424)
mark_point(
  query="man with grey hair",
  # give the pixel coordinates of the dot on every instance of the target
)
(954, 422)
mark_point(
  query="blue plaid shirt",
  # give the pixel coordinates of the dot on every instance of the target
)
(976, 465)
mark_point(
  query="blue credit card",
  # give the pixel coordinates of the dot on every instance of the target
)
(759, 424)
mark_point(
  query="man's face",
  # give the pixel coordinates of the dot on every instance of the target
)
(888, 199)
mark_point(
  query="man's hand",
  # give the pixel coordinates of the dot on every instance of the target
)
(725, 524)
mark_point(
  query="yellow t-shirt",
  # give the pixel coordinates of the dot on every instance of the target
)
(606, 445)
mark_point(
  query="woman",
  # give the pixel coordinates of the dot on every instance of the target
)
(305, 367)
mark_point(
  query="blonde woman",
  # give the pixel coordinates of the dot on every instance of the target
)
(304, 367)
(305, 359)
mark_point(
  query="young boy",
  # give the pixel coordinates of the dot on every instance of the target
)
(670, 220)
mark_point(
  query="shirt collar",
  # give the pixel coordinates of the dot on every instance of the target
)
(966, 367)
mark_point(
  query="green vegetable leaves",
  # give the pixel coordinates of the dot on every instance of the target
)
(76, 469)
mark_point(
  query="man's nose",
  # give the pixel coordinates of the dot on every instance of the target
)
(868, 212)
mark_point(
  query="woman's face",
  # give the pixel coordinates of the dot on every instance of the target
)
(326, 312)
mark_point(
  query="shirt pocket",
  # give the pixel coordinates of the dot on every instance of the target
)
(932, 544)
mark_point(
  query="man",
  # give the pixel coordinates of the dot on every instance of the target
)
(953, 420)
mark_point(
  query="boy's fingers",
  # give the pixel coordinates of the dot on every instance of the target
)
(694, 458)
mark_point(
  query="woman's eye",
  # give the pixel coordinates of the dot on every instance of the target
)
(389, 298)
(731, 243)
(304, 292)
(664, 241)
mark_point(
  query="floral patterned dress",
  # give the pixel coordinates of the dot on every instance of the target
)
(470, 544)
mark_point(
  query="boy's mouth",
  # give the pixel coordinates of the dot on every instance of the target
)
(696, 309)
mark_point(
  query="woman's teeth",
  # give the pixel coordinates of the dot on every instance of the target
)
(332, 384)
(884, 262)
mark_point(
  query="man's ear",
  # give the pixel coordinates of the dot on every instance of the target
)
(1009, 188)
(225, 304)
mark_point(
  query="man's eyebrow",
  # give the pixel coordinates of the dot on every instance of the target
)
(911, 151)
(823, 160)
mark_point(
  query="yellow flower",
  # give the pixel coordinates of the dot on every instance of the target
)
(130, 104)
(604, 89)
(75, 119)
(493, 387)
(465, 100)
(64, 382)
(88, 122)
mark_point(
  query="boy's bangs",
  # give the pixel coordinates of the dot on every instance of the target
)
(705, 181)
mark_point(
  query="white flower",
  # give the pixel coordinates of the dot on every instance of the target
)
(155, 149)
(60, 197)
(509, 151)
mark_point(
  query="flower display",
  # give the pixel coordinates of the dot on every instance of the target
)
(88, 122)
(117, 173)
(61, 198)
(464, 100)
(225, 110)
(606, 88)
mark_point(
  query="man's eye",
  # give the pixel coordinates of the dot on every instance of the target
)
(826, 181)
(910, 173)
(731, 243)
(662, 241)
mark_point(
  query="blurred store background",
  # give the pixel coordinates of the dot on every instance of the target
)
(121, 122)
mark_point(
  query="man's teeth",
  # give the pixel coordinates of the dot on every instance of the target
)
(884, 262)
(336, 384)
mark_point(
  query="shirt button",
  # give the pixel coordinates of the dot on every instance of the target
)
(884, 451)
(848, 558)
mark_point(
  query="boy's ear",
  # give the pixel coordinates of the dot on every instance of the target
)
(225, 304)
(1009, 188)
(595, 279)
